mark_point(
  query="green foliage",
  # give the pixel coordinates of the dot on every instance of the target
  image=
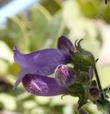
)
(89, 8)
(96, 9)
(40, 18)
(15, 32)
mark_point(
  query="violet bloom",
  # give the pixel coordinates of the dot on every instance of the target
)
(42, 85)
(36, 66)
(47, 86)
(65, 76)
(94, 93)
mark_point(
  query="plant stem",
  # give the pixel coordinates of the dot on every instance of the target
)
(98, 82)
(106, 1)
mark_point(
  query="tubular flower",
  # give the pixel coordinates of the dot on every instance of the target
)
(73, 67)
(38, 65)
(41, 62)
(43, 85)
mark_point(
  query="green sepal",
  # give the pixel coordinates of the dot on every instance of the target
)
(82, 58)
(77, 90)
(83, 77)
(104, 105)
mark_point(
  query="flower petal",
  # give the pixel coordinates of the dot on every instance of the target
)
(65, 44)
(20, 76)
(42, 61)
(64, 75)
(41, 85)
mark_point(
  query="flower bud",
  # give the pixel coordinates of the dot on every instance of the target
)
(94, 93)
(65, 44)
(82, 111)
(64, 75)
(82, 57)
(83, 77)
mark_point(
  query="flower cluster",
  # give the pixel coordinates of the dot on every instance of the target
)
(73, 67)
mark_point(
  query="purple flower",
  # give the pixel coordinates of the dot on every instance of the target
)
(61, 73)
(65, 44)
(94, 93)
(36, 66)
(64, 75)
(42, 85)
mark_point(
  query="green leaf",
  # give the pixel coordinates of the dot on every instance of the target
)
(15, 34)
(88, 7)
(40, 19)
(57, 25)
(53, 6)
(106, 13)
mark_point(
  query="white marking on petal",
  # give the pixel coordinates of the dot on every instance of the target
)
(35, 85)
(36, 56)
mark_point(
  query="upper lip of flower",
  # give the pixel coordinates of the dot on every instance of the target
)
(65, 44)
(42, 62)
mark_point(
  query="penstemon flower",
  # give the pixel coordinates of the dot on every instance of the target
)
(41, 62)
(76, 81)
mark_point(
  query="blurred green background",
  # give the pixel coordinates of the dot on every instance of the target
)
(39, 28)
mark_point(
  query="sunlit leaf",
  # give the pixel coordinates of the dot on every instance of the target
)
(52, 6)
(15, 34)
(57, 25)
(40, 19)
(89, 8)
